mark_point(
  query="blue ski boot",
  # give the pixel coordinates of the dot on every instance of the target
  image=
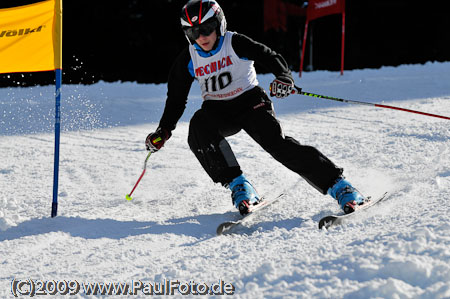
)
(346, 195)
(243, 194)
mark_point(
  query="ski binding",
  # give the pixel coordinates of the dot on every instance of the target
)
(334, 220)
(228, 225)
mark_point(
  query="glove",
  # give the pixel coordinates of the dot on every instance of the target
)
(155, 141)
(281, 87)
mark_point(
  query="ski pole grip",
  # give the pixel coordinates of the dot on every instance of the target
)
(297, 90)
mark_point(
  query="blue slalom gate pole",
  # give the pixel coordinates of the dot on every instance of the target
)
(58, 83)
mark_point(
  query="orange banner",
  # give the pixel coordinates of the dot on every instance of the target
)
(31, 37)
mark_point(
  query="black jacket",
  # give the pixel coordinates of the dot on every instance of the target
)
(180, 79)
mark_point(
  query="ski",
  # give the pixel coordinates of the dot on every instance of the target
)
(334, 220)
(228, 225)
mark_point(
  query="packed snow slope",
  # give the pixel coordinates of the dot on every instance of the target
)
(400, 249)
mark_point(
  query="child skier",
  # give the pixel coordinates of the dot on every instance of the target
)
(223, 64)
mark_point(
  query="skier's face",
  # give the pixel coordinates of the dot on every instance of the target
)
(207, 42)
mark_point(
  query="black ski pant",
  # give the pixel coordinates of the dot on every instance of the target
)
(253, 113)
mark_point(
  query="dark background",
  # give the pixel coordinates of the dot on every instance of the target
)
(137, 40)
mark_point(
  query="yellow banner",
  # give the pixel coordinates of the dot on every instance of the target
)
(31, 37)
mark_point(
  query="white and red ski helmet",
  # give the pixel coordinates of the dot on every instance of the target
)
(201, 17)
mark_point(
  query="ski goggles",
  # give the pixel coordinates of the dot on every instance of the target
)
(205, 29)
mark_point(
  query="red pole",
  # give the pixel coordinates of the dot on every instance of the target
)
(412, 111)
(143, 172)
(298, 90)
(303, 47)
(128, 196)
(343, 41)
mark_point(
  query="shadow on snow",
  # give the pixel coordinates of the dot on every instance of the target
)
(199, 226)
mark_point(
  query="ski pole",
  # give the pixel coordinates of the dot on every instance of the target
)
(309, 94)
(128, 196)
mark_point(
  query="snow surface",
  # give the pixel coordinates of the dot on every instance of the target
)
(401, 249)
